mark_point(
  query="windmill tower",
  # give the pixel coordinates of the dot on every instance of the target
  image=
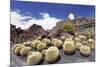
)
(71, 16)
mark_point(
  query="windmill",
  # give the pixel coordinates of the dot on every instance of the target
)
(71, 16)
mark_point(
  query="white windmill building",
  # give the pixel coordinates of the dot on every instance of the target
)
(71, 16)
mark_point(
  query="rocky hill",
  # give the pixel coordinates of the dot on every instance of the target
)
(17, 34)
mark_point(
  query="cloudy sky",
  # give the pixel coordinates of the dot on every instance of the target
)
(24, 14)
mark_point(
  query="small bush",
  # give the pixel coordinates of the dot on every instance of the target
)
(69, 26)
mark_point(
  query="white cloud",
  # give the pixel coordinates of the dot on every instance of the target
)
(47, 22)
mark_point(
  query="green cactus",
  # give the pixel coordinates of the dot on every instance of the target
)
(69, 26)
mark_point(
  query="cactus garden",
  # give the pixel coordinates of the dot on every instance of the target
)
(67, 40)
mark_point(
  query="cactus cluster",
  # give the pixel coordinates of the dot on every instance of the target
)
(41, 46)
(48, 49)
(24, 51)
(34, 58)
(91, 43)
(47, 41)
(58, 43)
(52, 54)
(69, 47)
(85, 50)
(21, 49)
(35, 43)
(84, 44)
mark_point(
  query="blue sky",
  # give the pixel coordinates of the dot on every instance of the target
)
(55, 10)
(24, 14)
